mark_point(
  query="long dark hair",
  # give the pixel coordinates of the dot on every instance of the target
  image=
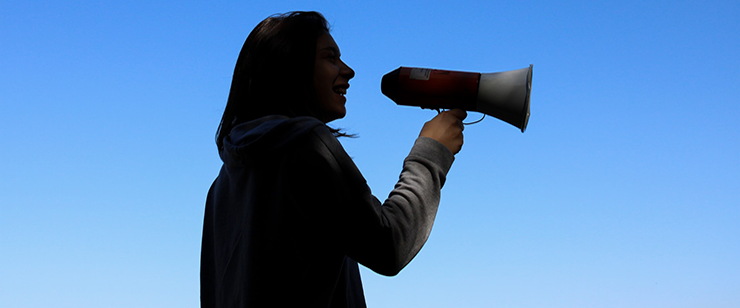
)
(274, 71)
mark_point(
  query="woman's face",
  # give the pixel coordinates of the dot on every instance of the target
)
(330, 79)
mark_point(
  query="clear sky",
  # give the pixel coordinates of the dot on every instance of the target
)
(623, 192)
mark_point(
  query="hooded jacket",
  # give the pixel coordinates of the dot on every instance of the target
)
(290, 216)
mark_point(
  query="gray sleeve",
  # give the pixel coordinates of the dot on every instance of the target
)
(433, 151)
(412, 206)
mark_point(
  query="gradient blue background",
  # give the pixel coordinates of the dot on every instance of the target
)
(623, 192)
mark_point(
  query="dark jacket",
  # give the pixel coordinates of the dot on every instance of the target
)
(290, 215)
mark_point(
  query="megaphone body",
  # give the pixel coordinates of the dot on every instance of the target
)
(504, 95)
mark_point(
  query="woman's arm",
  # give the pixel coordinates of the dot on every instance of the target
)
(383, 237)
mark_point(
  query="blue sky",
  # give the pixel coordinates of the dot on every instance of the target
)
(623, 192)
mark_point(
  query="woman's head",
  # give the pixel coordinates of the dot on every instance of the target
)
(274, 73)
(330, 79)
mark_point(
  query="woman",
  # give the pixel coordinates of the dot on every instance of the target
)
(289, 216)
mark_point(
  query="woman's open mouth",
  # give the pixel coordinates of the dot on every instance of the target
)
(341, 90)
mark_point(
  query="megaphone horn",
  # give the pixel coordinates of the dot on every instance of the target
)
(503, 95)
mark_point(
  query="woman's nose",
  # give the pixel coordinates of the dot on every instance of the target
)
(346, 71)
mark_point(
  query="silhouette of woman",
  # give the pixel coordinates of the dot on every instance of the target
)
(290, 216)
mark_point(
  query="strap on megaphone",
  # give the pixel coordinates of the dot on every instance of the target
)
(469, 123)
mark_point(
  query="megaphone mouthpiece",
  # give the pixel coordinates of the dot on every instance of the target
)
(389, 84)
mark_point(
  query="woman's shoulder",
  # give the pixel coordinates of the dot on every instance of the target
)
(320, 146)
(322, 139)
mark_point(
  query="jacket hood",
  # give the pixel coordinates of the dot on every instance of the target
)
(263, 136)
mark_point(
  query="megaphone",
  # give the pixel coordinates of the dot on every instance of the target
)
(503, 95)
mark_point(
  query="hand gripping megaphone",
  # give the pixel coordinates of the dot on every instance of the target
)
(503, 95)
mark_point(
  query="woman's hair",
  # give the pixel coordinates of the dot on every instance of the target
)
(274, 71)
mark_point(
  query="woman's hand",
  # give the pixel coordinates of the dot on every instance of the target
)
(446, 128)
